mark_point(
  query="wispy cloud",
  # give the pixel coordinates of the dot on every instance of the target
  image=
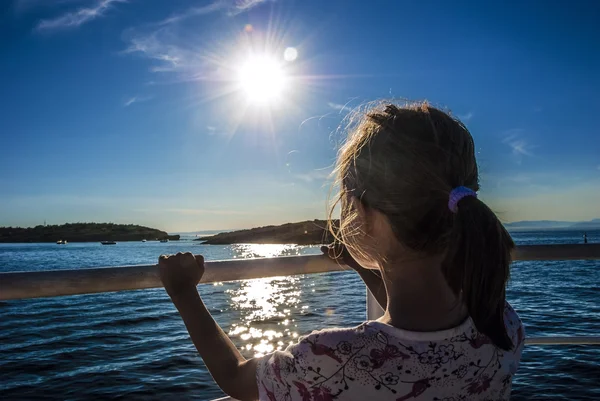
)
(211, 130)
(515, 182)
(191, 212)
(136, 99)
(245, 5)
(195, 12)
(465, 117)
(342, 108)
(519, 146)
(78, 17)
(232, 7)
(319, 175)
(24, 6)
(167, 50)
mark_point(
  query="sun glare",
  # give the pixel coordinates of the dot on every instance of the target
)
(262, 79)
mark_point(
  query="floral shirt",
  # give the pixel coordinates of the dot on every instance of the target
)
(376, 361)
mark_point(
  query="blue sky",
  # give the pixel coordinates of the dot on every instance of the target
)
(129, 111)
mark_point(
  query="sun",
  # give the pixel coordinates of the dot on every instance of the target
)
(262, 79)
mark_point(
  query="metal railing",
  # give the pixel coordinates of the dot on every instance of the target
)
(54, 283)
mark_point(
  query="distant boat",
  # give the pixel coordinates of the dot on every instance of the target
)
(143, 240)
(61, 242)
(164, 240)
(108, 242)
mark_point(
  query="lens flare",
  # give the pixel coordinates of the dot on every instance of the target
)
(290, 54)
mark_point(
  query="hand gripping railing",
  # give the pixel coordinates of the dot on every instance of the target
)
(53, 283)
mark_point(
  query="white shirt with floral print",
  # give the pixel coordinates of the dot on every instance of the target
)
(376, 361)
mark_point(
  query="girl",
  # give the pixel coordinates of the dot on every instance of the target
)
(435, 256)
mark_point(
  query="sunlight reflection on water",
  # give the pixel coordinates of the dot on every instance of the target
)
(270, 302)
(264, 250)
(267, 302)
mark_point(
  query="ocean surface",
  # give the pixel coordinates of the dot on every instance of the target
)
(134, 346)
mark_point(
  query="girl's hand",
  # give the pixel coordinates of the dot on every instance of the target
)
(339, 253)
(372, 278)
(180, 272)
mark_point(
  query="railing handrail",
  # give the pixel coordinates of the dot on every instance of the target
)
(563, 340)
(53, 283)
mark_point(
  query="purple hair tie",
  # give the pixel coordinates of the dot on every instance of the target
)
(456, 195)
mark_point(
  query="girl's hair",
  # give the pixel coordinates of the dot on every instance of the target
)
(404, 162)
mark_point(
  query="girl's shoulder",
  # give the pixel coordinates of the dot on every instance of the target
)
(374, 334)
(514, 327)
(511, 318)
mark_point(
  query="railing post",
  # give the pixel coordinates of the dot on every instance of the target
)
(374, 311)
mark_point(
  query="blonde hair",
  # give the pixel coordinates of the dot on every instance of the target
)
(404, 161)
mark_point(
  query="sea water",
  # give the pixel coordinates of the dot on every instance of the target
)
(133, 345)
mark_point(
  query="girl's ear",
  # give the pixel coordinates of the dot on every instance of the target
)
(372, 235)
(371, 219)
(362, 213)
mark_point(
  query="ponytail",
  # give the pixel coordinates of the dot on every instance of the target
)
(476, 267)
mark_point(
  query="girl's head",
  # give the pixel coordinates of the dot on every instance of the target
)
(395, 175)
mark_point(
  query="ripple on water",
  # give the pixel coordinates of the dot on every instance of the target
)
(133, 345)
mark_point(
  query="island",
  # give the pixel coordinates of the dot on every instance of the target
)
(312, 232)
(82, 232)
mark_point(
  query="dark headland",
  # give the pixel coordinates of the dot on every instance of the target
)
(312, 232)
(82, 232)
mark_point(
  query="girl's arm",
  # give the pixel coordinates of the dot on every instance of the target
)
(371, 278)
(235, 375)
